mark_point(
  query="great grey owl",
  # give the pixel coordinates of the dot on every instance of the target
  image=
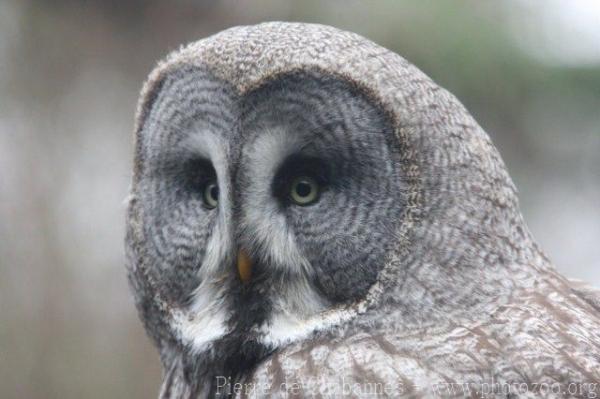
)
(311, 215)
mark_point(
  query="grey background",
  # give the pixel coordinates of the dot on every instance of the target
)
(70, 73)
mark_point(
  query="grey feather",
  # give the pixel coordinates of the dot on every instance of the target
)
(415, 269)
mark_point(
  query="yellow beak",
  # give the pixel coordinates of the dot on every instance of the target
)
(244, 265)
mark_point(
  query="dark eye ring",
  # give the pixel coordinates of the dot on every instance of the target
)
(210, 194)
(304, 190)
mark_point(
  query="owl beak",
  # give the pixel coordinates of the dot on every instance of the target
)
(244, 265)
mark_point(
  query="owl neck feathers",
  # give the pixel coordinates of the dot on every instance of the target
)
(463, 248)
(212, 373)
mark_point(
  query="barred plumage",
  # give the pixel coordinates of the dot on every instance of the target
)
(412, 272)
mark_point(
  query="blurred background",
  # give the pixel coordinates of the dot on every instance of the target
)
(70, 72)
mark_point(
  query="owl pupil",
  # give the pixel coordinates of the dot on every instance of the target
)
(214, 192)
(303, 189)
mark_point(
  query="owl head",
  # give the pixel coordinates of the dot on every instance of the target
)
(293, 179)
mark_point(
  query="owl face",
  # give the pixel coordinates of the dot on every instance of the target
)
(263, 211)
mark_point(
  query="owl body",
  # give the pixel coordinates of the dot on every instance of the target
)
(311, 215)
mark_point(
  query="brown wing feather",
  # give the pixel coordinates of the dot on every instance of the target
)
(544, 342)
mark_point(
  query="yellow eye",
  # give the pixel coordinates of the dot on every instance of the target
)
(304, 190)
(210, 195)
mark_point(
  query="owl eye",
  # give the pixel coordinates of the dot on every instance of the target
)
(304, 190)
(210, 194)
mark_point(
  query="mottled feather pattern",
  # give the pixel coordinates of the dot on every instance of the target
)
(439, 288)
(545, 338)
